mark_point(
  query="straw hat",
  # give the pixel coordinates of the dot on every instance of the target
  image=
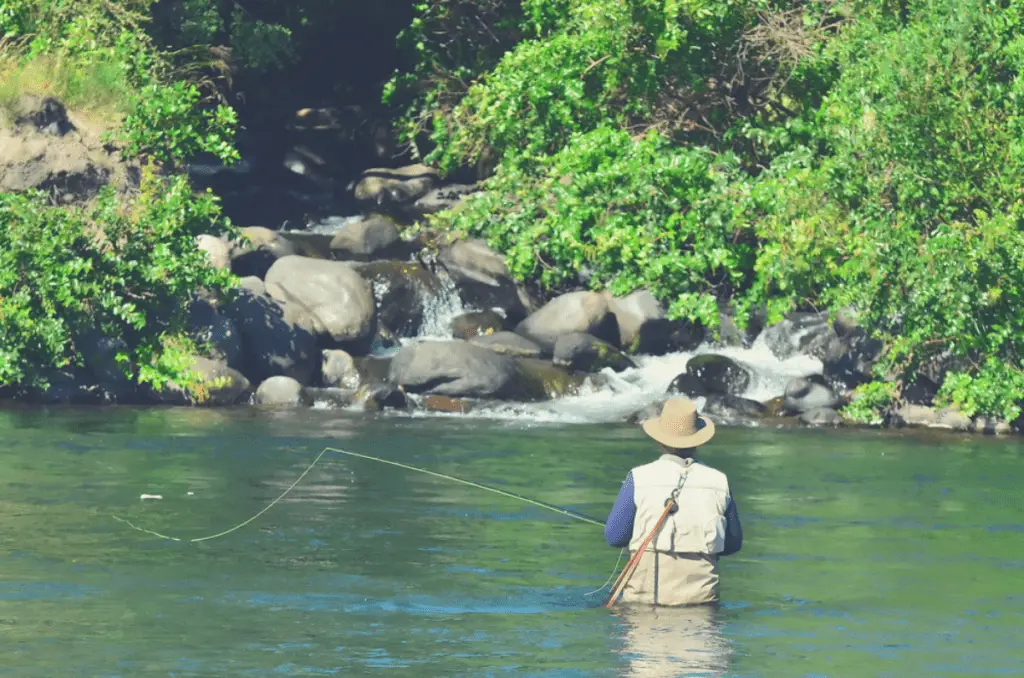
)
(679, 425)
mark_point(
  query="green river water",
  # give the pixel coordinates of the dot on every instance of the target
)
(866, 554)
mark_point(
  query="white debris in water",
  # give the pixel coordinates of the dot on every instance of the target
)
(149, 496)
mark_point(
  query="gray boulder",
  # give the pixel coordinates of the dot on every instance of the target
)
(281, 392)
(730, 408)
(454, 368)
(688, 385)
(273, 344)
(643, 327)
(482, 278)
(802, 334)
(339, 370)
(477, 323)
(719, 374)
(209, 327)
(805, 394)
(586, 353)
(257, 250)
(823, 416)
(218, 251)
(405, 185)
(338, 301)
(217, 384)
(374, 237)
(510, 344)
(586, 312)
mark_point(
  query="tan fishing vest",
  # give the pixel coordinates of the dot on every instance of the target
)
(699, 524)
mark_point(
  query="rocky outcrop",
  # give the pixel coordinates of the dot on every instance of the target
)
(719, 374)
(339, 303)
(49, 150)
(339, 370)
(370, 238)
(218, 251)
(644, 329)
(586, 353)
(575, 312)
(401, 186)
(217, 384)
(273, 344)
(510, 344)
(477, 323)
(281, 392)
(806, 394)
(257, 250)
(453, 368)
(483, 279)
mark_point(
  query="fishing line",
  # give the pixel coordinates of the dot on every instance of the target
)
(535, 502)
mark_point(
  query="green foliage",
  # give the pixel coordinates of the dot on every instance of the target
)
(870, 402)
(625, 213)
(122, 272)
(167, 124)
(830, 155)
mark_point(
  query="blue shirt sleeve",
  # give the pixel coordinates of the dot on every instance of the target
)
(618, 530)
(733, 529)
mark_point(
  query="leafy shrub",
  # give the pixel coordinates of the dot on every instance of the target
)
(125, 271)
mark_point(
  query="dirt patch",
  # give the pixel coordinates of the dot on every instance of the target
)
(46, 148)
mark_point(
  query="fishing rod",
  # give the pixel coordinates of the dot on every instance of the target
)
(512, 495)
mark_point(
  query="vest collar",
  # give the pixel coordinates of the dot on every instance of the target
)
(676, 459)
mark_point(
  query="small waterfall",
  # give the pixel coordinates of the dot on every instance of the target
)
(440, 308)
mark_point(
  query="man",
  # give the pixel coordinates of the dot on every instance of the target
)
(680, 566)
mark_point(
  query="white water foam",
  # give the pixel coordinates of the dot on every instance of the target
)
(614, 397)
(440, 309)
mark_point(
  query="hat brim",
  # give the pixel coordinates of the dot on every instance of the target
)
(652, 427)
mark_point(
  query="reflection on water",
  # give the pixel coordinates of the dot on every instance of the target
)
(865, 554)
(673, 641)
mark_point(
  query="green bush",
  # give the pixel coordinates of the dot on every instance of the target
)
(124, 270)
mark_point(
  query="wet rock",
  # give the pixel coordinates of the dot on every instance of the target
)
(453, 368)
(802, 334)
(382, 397)
(373, 371)
(649, 411)
(920, 391)
(339, 370)
(510, 344)
(374, 237)
(257, 250)
(483, 279)
(586, 312)
(954, 420)
(211, 328)
(850, 361)
(440, 199)
(688, 385)
(218, 385)
(539, 380)
(991, 426)
(401, 186)
(65, 387)
(477, 323)
(335, 397)
(822, 416)
(914, 415)
(272, 343)
(104, 377)
(281, 392)
(719, 374)
(338, 300)
(733, 408)
(806, 394)
(403, 292)
(218, 250)
(439, 403)
(586, 353)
